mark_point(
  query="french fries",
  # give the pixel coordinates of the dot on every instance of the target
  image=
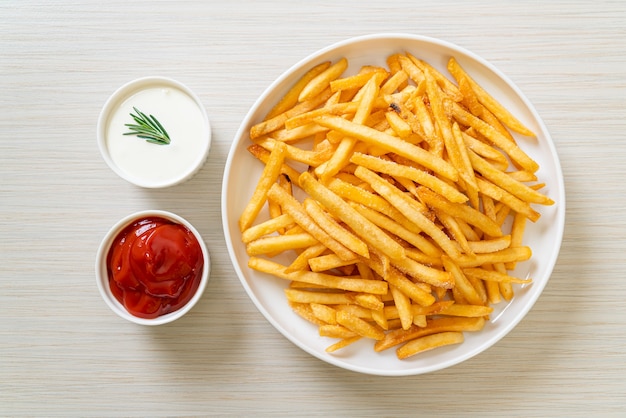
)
(394, 230)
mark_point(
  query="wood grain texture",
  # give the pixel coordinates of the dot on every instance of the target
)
(63, 353)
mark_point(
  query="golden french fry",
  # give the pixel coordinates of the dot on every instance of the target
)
(263, 155)
(332, 227)
(393, 62)
(487, 100)
(446, 85)
(492, 289)
(396, 82)
(308, 157)
(308, 297)
(322, 81)
(350, 192)
(491, 245)
(497, 193)
(507, 255)
(419, 256)
(470, 311)
(403, 122)
(494, 136)
(419, 176)
(328, 262)
(507, 183)
(324, 313)
(343, 151)
(378, 316)
(399, 125)
(266, 228)
(466, 171)
(279, 243)
(359, 326)
(408, 209)
(523, 176)
(295, 210)
(342, 343)
(290, 99)
(497, 158)
(464, 212)
(270, 125)
(359, 80)
(506, 289)
(274, 209)
(462, 284)
(455, 230)
(419, 320)
(304, 310)
(412, 70)
(434, 326)
(290, 136)
(353, 284)
(494, 276)
(442, 122)
(391, 311)
(489, 207)
(356, 310)
(268, 178)
(468, 231)
(397, 279)
(424, 273)
(403, 306)
(334, 330)
(399, 226)
(369, 301)
(303, 119)
(492, 120)
(469, 97)
(424, 117)
(301, 262)
(517, 234)
(343, 211)
(391, 144)
(429, 342)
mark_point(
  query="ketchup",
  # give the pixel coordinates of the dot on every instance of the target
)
(155, 266)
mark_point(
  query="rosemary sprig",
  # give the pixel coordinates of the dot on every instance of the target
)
(148, 128)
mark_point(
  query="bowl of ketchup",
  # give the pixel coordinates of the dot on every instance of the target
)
(152, 267)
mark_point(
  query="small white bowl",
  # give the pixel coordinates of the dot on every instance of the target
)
(102, 277)
(182, 115)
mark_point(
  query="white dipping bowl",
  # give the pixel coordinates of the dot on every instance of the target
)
(102, 276)
(182, 115)
(242, 172)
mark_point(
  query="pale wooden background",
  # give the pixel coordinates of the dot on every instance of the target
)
(64, 353)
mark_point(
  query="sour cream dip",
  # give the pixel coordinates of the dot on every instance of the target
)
(147, 164)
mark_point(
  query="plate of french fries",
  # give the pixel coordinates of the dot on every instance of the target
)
(393, 204)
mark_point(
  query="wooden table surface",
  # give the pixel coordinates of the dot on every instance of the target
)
(64, 353)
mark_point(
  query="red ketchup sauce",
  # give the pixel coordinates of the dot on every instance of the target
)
(155, 266)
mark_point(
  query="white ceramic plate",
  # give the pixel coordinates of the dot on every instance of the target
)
(544, 237)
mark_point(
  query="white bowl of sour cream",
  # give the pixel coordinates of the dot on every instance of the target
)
(148, 164)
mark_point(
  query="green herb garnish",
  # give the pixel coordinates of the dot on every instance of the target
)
(148, 128)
